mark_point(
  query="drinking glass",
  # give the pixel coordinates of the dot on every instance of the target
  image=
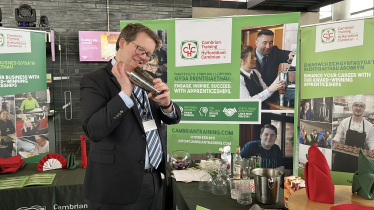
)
(246, 168)
(219, 185)
(209, 154)
(205, 182)
(234, 188)
(245, 195)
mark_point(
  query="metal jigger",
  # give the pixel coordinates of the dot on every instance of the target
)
(283, 76)
(141, 78)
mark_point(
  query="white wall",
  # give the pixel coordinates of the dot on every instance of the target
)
(306, 18)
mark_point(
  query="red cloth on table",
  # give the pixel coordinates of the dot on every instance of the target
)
(10, 165)
(83, 152)
(318, 183)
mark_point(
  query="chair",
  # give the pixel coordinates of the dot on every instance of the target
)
(19, 125)
(43, 123)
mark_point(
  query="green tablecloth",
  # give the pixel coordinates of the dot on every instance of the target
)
(64, 193)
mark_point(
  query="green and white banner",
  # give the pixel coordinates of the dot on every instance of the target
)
(337, 97)
(203, 74)
(23, 93)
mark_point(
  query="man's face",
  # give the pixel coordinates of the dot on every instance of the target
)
(315, 132)
(4, 115)
(264, 44)
(327, 133)
(358, 108)
(127, 50)
(29, 97)
(302, 127)
(268, 138)
(40, 141)
(306, 106)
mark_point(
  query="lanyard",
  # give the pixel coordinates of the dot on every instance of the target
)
(141, 104)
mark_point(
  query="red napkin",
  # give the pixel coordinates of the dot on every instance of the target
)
(83, 152)
(10, 165)
(351, 207)
(318, 183)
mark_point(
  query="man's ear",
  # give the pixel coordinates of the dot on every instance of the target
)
(122, 42)
(256, 42)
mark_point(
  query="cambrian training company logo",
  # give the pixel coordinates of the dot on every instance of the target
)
(328, 35)
(189, 49)
(56, 207)
(229, 112)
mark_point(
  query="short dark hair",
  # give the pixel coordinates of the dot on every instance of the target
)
(131, 30)
(246, 50)
(266, 32)
(4, 110)
(270, 126)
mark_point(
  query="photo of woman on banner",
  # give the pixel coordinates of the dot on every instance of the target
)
(28, 128)
(353, 133)
(153, 67)
(6, 137)
(307, 112)
(251, 84)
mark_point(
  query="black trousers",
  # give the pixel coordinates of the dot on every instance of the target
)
(150, 197)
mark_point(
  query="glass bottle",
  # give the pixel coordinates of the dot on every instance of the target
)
(237, 162)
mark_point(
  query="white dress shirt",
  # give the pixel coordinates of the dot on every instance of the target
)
(244, 93)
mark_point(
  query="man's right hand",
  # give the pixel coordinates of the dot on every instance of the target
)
(119, 72)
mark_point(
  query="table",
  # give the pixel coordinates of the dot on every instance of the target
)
(343, 195)
(187, 195)
(64, 193)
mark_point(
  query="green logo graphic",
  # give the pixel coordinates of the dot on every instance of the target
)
(2, 40)
(328, 35)
(189, 49)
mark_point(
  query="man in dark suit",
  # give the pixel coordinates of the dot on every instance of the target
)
(269, 57)
(126, 152)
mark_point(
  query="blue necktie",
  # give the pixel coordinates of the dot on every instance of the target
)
(153, 138)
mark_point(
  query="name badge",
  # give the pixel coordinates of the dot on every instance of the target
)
(149, 125)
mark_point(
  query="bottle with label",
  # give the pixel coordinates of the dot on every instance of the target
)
(237, 162)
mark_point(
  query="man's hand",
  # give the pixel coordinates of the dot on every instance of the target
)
(164, 98)
(119, 72)
(291, 55)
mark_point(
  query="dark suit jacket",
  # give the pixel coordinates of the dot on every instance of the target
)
(275, 57)
(115, 167)
(310, 115)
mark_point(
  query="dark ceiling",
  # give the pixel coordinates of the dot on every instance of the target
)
(289, 5)
(280, 5)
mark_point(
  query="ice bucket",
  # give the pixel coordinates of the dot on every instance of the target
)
(267, 184)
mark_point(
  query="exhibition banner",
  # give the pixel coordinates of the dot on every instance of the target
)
(204, 62)
(337, 97)
(23, 93)
(219, 111)
(22, 61)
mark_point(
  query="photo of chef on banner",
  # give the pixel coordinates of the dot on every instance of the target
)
(268, 65)
(352, 129)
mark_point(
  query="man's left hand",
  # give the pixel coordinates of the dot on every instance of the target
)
(291, 55)
(164, 98)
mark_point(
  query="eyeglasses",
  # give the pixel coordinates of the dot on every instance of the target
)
(361, 106)
(152, 66)
(140, 51)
